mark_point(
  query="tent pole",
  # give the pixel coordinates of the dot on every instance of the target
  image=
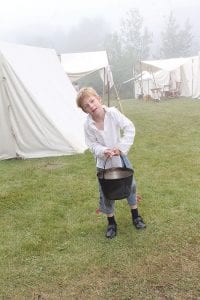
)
(141, 80)
(104, 79)
(199, 71)
(192, 78)
(153, 78)
(108, 87)
(118, 98)
(134, 81)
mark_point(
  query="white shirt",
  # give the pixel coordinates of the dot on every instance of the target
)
(110, 137)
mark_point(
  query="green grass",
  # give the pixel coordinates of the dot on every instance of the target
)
(52, 243)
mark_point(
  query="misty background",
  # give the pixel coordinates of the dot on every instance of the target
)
(130, 31)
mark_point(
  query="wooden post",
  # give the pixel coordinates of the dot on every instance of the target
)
(141, 81)
(104, 79)
(108, 87)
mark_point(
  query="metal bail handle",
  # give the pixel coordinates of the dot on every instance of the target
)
(124, 165)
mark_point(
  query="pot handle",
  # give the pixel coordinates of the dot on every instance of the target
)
(123, 162)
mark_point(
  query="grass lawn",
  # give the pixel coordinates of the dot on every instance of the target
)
(52, 242)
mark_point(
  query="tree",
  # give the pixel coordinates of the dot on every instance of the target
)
(176, 42)
(186, 39)
(136, 40)
(114, 50)
(127, 48)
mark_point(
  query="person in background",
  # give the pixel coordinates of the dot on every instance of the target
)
(109, 134)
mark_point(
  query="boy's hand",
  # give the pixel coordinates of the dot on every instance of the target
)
(112, 152)
(108, 153)
(116, 152)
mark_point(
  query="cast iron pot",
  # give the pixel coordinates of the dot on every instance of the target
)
(116, 182)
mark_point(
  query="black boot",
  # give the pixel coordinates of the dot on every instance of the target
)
(111, 231)
(137, 220)
(139, 223)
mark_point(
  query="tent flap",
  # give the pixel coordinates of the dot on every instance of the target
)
(78, 65)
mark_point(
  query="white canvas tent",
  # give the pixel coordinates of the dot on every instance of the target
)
(190, 77)
(38, 114)
(165, 72)
(183, 70)
(169, 65)
(147, 81)
(78, 65)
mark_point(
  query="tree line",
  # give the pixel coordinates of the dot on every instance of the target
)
(126, 46)
(130, 44)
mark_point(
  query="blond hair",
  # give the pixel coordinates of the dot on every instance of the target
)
(83, 93)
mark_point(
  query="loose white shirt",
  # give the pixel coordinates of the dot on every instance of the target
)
(118, 132)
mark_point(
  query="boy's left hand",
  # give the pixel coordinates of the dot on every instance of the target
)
(116, 152)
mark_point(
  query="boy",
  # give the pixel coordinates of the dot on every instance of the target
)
(103, 135)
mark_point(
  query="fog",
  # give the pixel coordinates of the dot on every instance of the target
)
(46, 23)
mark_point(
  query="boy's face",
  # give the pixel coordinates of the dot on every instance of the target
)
(91, 105)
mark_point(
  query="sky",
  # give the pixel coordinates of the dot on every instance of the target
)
(18, 16)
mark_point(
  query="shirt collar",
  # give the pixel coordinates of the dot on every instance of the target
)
(90, 118)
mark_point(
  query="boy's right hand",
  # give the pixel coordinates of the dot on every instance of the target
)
(108, 153)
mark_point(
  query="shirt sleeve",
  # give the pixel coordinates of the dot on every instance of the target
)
(128, 131)
(91, 141)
